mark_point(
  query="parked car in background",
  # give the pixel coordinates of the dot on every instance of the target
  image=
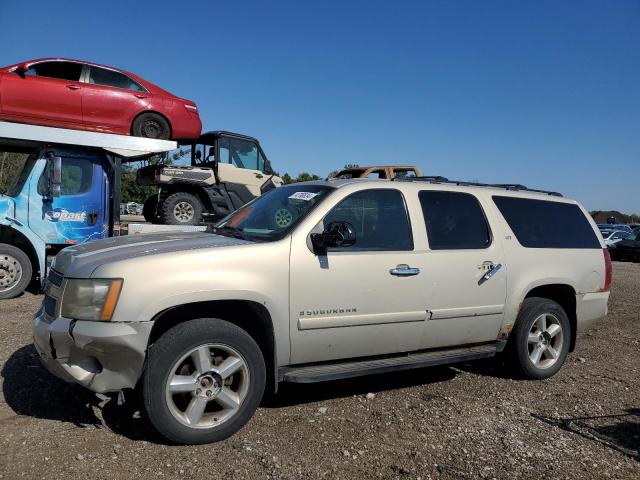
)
(628, 248)
(60, 92)
(388, 172)
(616, 226)
(611, 237)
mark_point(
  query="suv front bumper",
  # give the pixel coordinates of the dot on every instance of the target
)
(101, 356)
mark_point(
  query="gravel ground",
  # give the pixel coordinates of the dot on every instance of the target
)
(466, 421)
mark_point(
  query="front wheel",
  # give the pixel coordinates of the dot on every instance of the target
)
(15, 271)
(181, 208)
(540, 339)
(203, 381)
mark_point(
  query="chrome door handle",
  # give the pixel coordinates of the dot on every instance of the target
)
(404, 270)
(487, 276)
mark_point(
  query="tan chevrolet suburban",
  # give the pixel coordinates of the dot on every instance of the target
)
(319, 281)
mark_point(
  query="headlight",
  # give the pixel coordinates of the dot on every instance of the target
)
(90, 299)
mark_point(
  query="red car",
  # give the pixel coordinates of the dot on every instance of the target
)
(59, 92)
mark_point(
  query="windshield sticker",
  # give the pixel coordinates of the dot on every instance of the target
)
(303, 196)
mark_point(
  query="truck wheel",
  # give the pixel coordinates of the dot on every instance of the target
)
(540, 339)
(151, 125)
(203, 381)
(15, 271)
(181, 209)
(149, 209)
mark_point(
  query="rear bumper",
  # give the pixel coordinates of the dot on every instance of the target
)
(101, 356)
(590, 307)
(187, 127)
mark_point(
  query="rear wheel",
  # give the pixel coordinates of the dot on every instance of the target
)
(15, 271)
(151, 125)
(149, 209)
(540, 339)
(181, 208)
(203, 381)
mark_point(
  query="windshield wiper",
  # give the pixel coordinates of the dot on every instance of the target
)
(229, 232)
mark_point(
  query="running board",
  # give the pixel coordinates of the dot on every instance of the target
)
(334, 371)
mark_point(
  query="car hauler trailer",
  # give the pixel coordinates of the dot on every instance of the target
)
(66, 191)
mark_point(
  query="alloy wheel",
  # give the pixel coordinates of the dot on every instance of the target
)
(545, 341)
(207, 386)
(183, 211)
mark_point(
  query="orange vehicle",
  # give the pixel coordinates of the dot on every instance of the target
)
(388, 172)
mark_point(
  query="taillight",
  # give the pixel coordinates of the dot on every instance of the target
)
(608, 270)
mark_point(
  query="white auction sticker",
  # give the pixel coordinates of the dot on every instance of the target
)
(303, 196)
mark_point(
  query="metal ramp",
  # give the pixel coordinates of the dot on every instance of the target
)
(125, 146)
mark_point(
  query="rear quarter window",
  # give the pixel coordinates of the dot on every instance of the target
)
(547, 224)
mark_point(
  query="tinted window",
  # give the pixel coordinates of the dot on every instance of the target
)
(379, 218)
(244, 154)
(109, 78)
(63, 70)
(77, 174)
(454, 221)
(547, 224)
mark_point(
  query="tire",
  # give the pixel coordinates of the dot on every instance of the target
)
(15, 271)
(151, 125)
(149, 209)
(181, 208)
(551, 345)
(171, 360)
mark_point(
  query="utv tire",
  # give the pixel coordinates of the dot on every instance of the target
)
(203, 380)
(15, 271)
(151, 125)
(539, 342)
(181, 209)
(149, 209)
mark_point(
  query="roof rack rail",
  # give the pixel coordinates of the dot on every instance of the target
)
(506, 186)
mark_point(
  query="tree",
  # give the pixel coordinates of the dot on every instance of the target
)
(11, 164)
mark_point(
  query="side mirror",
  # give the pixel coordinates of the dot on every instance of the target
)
(22, 69)
(335, 235)
(55, 175)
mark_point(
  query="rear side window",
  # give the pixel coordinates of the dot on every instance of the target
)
(109, 78)
(61, 70)
(379, 218)
(454, 221)
(547, 224)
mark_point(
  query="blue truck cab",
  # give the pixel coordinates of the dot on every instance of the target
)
(66, 190)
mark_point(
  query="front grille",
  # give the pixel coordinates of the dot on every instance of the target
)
(55, 278)
(49, 304)
(52, 292)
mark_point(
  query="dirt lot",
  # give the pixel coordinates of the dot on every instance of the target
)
(466, 421)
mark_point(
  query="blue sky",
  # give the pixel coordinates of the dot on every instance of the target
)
(543, 93)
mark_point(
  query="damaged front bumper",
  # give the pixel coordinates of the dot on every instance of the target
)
(101, 356)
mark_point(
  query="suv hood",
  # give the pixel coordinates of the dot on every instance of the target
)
(81, 260)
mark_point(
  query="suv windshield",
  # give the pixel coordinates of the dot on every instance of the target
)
(273, 215)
